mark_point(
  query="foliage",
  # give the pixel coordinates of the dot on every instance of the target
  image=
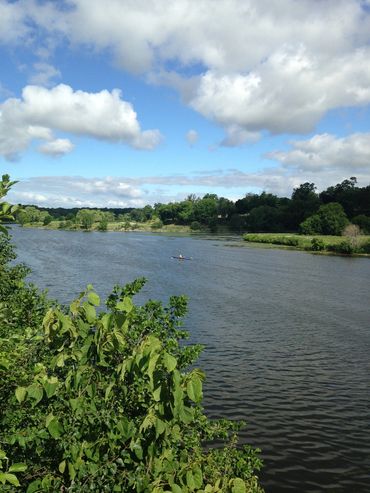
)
(329, 220)
(157, 224)
(86, 218)
(96, 400)
(322, 243)
(195, 226)
(6, 210)
(317, 245)
(344, 247)
(110, 407)
(103, 224)
(264, 212)
(363, 222)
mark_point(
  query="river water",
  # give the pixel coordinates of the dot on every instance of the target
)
(286, 335)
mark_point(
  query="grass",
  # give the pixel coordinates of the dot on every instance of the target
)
(323, 243)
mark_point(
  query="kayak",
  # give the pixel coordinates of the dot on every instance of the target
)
(182, 258)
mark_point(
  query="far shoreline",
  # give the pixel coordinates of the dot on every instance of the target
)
(281, 241)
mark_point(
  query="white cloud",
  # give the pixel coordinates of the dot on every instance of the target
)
(12, 22)
(103, 115)
(57, 147)
(289, 92)
(76, 191)
(192, 137)
(326, 152)
(275, 65)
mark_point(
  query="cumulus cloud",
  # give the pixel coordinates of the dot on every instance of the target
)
(41, 111)
(265, 65)
(290, 92)
(275, 65)
(192, 137)
(326, 152)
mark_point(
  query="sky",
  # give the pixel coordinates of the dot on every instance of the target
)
(123, 103)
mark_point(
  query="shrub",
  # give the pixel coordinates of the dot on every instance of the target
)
(365, 247)
(108, 405)
(342, 247)
(195, 226)
(317, 245)
(157, 224)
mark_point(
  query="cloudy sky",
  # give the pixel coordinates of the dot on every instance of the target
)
(128, 102)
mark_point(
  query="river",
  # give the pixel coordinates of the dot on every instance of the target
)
(286, 335)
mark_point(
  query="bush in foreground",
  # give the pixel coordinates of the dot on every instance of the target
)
(101, 401)
(109, 406)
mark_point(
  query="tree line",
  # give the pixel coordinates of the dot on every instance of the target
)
(305, 211)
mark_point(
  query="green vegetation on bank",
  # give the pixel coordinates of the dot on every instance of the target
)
(350, 243)
(306, 211)
(98, 399)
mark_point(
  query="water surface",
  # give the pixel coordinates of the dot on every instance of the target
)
(287, 339)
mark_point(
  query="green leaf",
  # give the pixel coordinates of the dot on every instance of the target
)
(35, 392)
(71, 471)
(19, 467)
(157, 394)
(160, 427)
(90, 312)
(50, 386)
(62, 466)
(11, 478)
(93, 298)
(169, 361)
(190, 481)
(238, 486)
(198, 477)
(194, 389)
(138, 450)
(34, 486)
(125, 305)
(20, 393)
(4, 364)
(55, 428)
(75, 403)
(176, 489)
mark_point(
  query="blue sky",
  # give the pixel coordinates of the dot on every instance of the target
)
(122, 103)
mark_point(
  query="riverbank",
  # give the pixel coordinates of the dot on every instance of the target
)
(359, 245)
(149, 226)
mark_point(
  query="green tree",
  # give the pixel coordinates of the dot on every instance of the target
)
(330, 220)
(103, 224)
(304, 203)
(86, 217)
(363, 222)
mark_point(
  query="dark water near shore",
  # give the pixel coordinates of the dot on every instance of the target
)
(287, 338)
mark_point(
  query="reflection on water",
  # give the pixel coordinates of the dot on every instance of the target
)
(287, 339)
